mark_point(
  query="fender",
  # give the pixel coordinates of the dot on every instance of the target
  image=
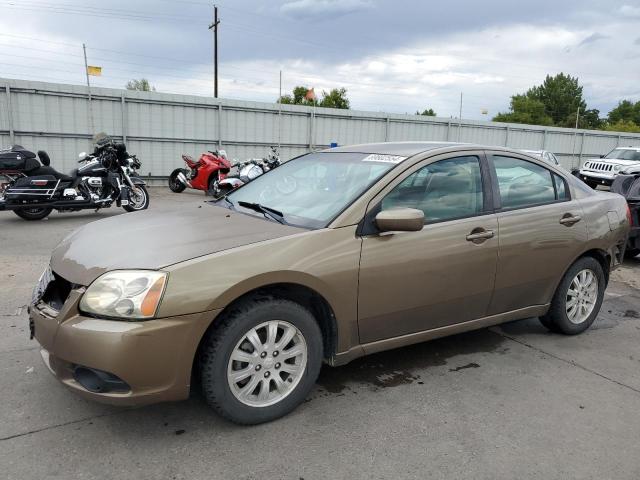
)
(137, 180)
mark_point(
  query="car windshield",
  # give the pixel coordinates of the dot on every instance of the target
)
(311, 190)
(622, 154)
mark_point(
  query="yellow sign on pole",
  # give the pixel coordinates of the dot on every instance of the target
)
(94, 71)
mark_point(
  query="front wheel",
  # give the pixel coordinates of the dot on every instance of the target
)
(261, 360)
(33, 213)
(213, 188)
(138, 199)
(176, 185)
(578, 298)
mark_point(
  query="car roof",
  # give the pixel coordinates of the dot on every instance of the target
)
(405, 149)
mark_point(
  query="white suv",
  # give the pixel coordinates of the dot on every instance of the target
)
(603, 171)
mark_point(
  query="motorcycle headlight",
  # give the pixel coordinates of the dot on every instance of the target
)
(127, 294)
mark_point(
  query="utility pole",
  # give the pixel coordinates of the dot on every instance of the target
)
(460, 118)
(214, 26)
(280, 113)
(86, 72)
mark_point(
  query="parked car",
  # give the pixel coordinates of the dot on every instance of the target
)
(619, 160)
(378, 246)
(545, 155)
(629, 187)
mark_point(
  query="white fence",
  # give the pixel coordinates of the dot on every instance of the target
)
(159, 127)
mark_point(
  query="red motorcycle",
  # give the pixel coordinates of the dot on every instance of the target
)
(204, 174)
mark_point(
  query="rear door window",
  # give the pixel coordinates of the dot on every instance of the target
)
(525, 184)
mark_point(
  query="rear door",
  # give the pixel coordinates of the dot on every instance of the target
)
(415, 281)
(541, 231)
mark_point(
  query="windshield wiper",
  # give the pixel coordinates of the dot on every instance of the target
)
(277, 215)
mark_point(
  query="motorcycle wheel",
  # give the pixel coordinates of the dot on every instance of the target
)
(213, 189)
(138, 199)
(176, 185)
(33, 213)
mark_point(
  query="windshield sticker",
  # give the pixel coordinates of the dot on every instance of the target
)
(374, 157)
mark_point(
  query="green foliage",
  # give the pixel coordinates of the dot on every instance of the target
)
(525, 109)
(623, 126)
(555, 102)
(335, 98)
(141, 85)
(626, 111)
(427, 112)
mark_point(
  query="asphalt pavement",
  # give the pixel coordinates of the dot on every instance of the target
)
(508, 402)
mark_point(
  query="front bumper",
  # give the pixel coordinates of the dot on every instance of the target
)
(153, 357)
(600, 177)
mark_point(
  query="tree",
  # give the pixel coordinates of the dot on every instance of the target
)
(336, 98)
(524, 109)
(428, 112)
(625, 111)
(141, 85)
(561, 96)
(555, 102)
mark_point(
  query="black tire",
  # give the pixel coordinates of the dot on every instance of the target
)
(33, 213)
(556, 318)
(221, 340)
(631, 252)
(140, 205)
(174, 184)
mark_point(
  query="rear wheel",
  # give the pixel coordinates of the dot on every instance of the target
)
(138, 199)
(261, 360)
(578, 298)
(33, 213)
(176, 185)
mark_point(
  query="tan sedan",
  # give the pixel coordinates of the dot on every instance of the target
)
(331, 256)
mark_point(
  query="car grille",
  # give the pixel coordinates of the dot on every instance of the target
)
(57, 292)
(599, 166)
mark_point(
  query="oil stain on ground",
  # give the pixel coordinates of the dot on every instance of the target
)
(400, 366)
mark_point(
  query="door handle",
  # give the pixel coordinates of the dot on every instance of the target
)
(569, 219)
(478, 235)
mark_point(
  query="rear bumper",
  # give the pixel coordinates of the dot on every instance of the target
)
(154, 358)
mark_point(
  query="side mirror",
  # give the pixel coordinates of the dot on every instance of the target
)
(400, 220)
(601, 156)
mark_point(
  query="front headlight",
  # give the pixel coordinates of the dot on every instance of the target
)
(617, 168)
(130, 294)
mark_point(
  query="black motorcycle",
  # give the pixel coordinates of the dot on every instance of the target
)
(32, 188)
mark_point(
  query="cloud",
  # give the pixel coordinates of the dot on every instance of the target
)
(323, 8)
(629, 11)
(636, 41)
(593, 38)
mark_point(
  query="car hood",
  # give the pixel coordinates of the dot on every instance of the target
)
(152, 240)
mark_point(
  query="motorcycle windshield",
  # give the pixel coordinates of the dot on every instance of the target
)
(312, 190)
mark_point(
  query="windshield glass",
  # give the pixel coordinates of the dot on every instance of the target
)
(620, 154)
(311, 190)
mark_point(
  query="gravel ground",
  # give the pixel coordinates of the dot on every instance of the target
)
(508, 402)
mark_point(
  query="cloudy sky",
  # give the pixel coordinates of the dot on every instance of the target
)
(391, 55)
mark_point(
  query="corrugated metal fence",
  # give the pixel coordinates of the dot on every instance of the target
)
(159, 127)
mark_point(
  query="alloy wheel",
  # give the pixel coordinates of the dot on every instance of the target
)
(581, 296)
(267, 363)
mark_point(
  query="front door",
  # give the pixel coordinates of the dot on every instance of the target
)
(442, 275)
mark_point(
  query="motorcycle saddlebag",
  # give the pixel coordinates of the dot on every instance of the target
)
(17, 159)
(28, 190)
